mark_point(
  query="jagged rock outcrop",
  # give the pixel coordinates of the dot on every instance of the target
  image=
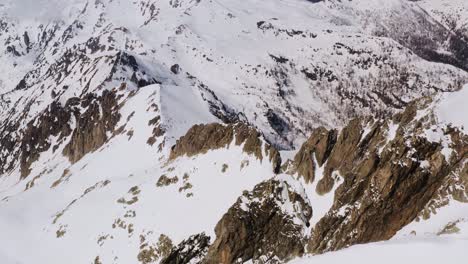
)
(9, 146)
(201, 138)
(92, 126)
(391, 172)
(190, 250)
(265, 225)
(274, 156)
(89, 132)
(321, 143)
(36, 139)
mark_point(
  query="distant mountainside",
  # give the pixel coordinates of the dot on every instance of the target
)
(196, 131)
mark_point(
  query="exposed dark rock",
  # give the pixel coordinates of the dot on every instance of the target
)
(152, 253)
(218, 108)
(92, 126)
(36, 139)
(166, 181)
(258, 227)
(21, 85)
(175, 69)
(274, 157)
(321, 143)
(158, 130)
(278, 59)
(385, 186)
(278, 124)
(27, 41)
(124, 62)
(251, 139)
(201, 138)
(190, 250)
(12, 50)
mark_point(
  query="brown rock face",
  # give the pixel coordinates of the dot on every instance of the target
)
(9, 145)
(390, 174)
(190, 250)
(201, 138)
(274, 157)
(101, 116)
(257, 227)
(386, 186)
(377, 199)
(36, 138)
(25, 146)
(321, 143)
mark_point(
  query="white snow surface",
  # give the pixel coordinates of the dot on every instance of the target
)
(433, 250)
(453, 109)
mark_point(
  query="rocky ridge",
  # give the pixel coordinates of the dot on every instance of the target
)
(92, 48)
(115, 128)
(386, 173)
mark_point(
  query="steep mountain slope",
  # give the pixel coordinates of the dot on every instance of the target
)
(163, 206)
(371, 181)
(336, 65)
(452, 14)
(409, 24)
(428, 250)
(119, 202)
(188, 131)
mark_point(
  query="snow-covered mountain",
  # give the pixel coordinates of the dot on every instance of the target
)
(328, 62)
(184, 131)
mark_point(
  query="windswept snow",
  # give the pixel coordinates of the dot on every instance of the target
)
(453, 109)
(455, 213)
(434, 250)
(181, 108)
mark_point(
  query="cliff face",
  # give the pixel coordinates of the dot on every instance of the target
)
(266, 224)
(385, 174)
(391, 171)
(93, 126)
(202, 138)
(82, 125)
